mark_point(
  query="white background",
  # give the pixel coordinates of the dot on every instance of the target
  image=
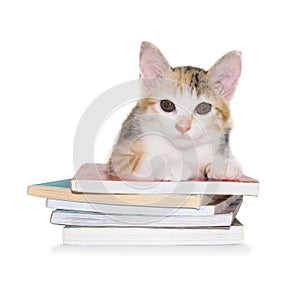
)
(58, 56)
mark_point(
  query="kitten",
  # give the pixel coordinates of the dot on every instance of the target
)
(180, 127)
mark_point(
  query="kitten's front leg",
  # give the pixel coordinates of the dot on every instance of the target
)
(139, 160)
(224, 168)
(157, 168)
(130, 161)
(178, 171)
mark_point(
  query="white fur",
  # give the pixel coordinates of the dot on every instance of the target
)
(182, 144)
(183, 156)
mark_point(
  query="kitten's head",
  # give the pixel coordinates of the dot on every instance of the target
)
(187, 103)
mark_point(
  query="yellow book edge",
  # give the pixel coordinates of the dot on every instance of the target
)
(161, 200)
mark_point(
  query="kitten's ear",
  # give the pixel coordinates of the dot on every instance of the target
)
(225, 73)
(152, 62)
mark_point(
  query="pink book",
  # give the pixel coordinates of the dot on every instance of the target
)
(94, 178)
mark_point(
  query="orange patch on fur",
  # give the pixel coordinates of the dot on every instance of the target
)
(189, 79)
(145, 104)
(223, 110)
(181, 76)
(126, 158)
(136, 154)
(220, 119)
(135, 160)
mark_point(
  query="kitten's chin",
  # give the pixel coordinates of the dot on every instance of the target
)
(184, 141)
(187, 141)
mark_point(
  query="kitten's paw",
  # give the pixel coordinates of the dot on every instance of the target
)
(225, 169)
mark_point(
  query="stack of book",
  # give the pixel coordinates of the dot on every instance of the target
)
(97, 208)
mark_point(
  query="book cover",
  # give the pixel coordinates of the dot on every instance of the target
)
(94, 178)
(77, 235)
(61, 190)
(217, 204)
(79, 218)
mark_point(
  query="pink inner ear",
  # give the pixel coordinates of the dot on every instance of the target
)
(152, 62)
(227, 84)
(149, 68)
(226, 73)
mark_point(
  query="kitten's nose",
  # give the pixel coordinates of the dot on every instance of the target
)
(183, 126)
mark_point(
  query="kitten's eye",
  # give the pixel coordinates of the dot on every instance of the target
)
(167, 105)
(203, 108)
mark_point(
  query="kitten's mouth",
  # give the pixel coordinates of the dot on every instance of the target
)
(184, 137)
(187, 137)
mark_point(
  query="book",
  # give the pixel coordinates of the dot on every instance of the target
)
(94, 178)
(81, 218)
(216, 205)
(61, 190)
(77, 235)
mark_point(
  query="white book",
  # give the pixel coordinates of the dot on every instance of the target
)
(93, 178)
(74, 235)
(217, 204)
(79, 218)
